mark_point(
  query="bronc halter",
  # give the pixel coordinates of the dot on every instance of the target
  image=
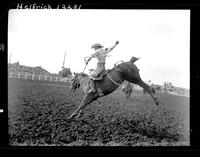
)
(75, 82)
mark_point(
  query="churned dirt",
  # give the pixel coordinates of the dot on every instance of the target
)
(38, 112)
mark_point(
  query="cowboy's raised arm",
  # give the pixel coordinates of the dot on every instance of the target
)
(116, 43)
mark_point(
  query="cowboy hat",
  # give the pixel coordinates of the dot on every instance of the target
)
(96, 45)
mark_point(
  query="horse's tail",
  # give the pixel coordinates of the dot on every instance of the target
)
(134, 59)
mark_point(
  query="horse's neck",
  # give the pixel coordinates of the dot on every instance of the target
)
(83, 80)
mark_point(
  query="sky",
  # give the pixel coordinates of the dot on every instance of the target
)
(161, 38)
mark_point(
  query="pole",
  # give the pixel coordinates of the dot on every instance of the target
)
(64, 61)
(10, 58)
(85, 67)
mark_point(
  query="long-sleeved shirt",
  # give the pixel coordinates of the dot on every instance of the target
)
(100, 54)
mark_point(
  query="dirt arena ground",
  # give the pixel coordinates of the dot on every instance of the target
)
(38, 112)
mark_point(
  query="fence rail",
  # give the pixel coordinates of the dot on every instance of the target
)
(24, 75)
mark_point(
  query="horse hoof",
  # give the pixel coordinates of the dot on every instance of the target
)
(70, 117)
(156, 101)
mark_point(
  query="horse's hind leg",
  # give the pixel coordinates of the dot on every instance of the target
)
(148, 89)
(128, 94)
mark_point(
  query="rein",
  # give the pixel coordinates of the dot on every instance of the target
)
(113, 80)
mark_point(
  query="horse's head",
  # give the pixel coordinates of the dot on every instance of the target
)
(74, 82)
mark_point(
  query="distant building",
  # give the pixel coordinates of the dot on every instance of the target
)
(168, 87)
(66, 72)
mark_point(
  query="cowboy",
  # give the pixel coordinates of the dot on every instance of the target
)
(101, 55)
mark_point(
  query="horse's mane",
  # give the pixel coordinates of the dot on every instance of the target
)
(84, 74)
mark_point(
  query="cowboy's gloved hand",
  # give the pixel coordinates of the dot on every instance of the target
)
(87, 61)
(117, 42)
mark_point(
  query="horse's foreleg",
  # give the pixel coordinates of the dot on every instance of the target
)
(127, 96)
(148, 89)
(88, 98)
(78, 109)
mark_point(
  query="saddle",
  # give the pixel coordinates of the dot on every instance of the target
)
(98, 78)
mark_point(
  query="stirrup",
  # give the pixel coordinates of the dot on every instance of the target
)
(90, 91)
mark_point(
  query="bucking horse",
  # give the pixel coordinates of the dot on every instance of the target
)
(110, 81)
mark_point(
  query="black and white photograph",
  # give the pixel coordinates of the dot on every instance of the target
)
(98, 77)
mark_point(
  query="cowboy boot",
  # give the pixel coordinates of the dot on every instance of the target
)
(91, 85)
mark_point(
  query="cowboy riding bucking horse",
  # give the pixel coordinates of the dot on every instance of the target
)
(102, 82)
(100, 54)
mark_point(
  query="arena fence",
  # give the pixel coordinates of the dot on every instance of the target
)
(26, 75)
(52, 78)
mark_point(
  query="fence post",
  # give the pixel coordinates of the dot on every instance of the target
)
(39, 77)
(18, 74)
(26, 75)
(33, 77)
(10, 74)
